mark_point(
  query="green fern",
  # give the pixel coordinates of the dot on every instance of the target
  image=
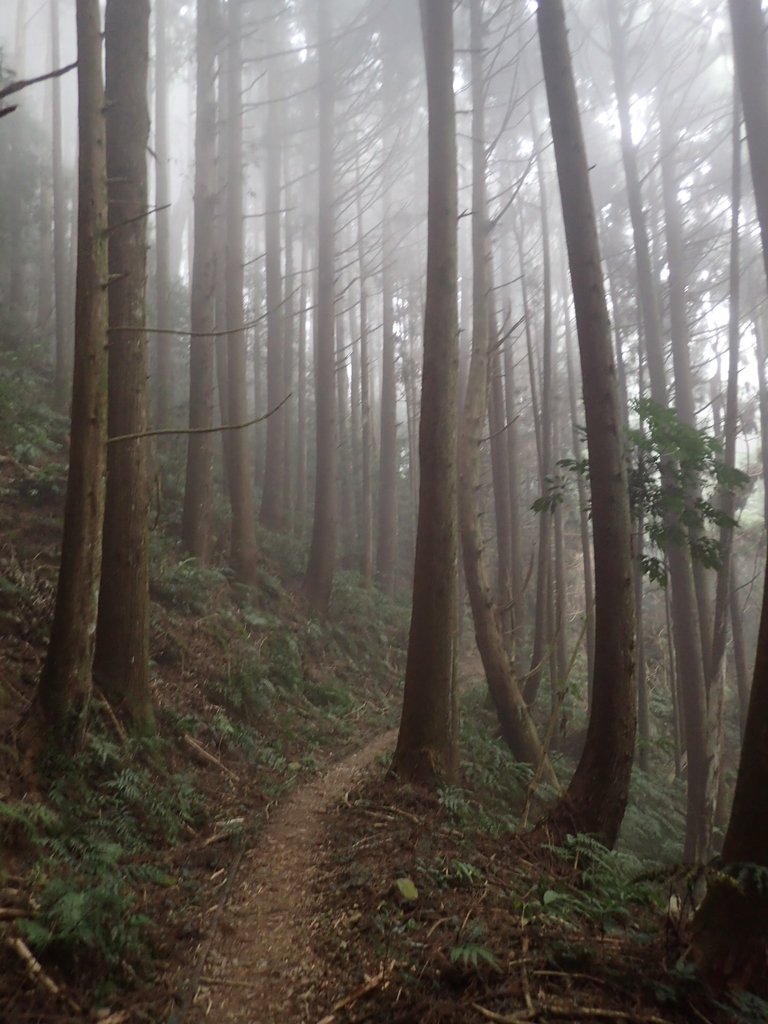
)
(471, 954)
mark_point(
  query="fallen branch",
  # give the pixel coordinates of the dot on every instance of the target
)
(12, 913)
(591, 1012)
(206, 756)
(33, 965)
(501, 1018)
(362, 990)
(570, 1013)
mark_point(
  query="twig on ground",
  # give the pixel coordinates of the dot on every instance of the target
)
(207, 756)
(362, 990)
(501, 1018)
(525, 949)
(33, 965)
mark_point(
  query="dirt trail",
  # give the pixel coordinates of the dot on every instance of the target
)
(260, 968)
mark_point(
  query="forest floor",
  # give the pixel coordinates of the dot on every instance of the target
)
(256, 865)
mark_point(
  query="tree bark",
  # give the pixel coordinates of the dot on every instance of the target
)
(63, 695)
(597, 795)
(198, 491)
(162, 346)
(426, 747)
(318, 581)
(243, 551)
(730, 939)
(273, 509)
(62, 385)
(121, 665)
(685, 617)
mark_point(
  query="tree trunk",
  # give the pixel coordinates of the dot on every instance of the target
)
(685, 615)
(426, 747)
(121, 665)
(198, 491)
(730, 940)
(581, 490)
(517, 727)
(543, 635)
(322, 554)
(273, 510)
(387, 518)
(366, 549)
(243, 552)
(65, 684)
(598, 792)
(162, 346)
(62, 385)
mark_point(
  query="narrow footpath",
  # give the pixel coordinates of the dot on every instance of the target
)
(260, 967)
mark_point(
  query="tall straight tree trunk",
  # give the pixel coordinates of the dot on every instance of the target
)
(198, 491)
(581, 490)
(346, 514)
(716, 669)
(121, 665)
(322, 553)
(387, 505)
(162, 346)
(301, 407)
(273, 508)
(681, 343)
(366, 483)
(243, 553)
(501, 495)
(289, 369)
(427, 742)
(542, 629)
(20, 43)
(64, 692)
(685, 617)
(62, 385)
(510, 405)
(597, 795)
(730, 932)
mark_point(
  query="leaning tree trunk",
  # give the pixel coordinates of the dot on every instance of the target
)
(517, 727)
(63, 695)
(426, 745)
(597, 795)
(685, 614)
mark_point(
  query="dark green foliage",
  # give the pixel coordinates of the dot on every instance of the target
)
(677, 509)
(94, 837)
(612, 884)
(676, 472)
